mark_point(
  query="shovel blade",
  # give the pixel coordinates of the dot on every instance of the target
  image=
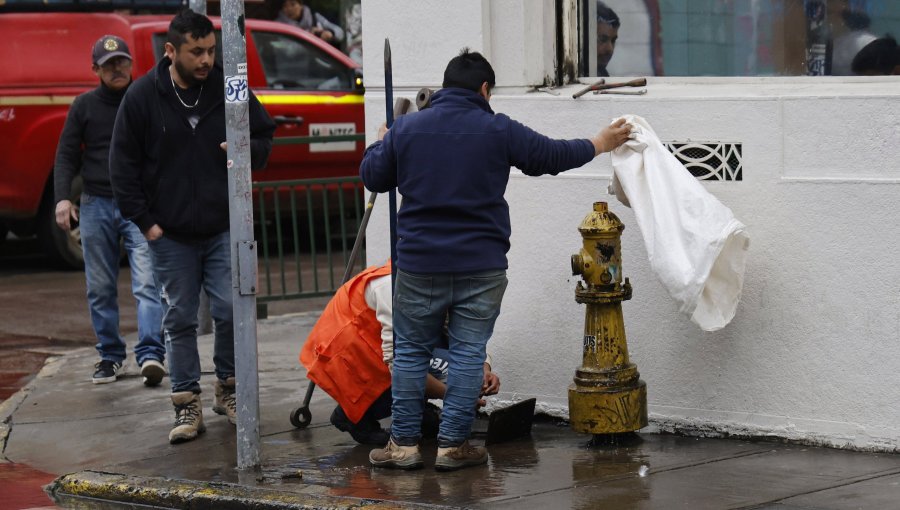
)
(511, 422)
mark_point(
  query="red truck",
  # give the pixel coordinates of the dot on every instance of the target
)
(308, 87)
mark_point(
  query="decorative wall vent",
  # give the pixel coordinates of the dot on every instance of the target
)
(709, 161)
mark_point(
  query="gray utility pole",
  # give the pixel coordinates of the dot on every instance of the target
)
(198, 6)
(243, 247)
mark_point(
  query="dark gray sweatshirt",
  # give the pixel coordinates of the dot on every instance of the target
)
(84, 144)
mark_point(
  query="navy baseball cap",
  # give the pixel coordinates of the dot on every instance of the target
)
(107, 47)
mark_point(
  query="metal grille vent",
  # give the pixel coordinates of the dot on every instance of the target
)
(709, 161)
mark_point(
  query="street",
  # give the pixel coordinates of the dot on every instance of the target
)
(44, 312)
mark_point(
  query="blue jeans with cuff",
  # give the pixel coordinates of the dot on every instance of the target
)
(101, 228)
(182, 269)
(421, 302)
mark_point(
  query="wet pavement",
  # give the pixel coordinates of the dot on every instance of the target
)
(112, 439)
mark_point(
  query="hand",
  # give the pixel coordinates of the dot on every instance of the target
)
(65, 210)
(491, 384)
(611, 137)
(326, 35)
(153, 233)
(224, 146)
(382, 130)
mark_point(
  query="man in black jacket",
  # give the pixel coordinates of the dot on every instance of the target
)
(84, 148)
(169, 175)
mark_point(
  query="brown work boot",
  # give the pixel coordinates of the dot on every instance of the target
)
(188, 417)
(458, 457)
(225, 403)
(395, 456)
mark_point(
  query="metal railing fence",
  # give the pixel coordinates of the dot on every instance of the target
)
(306, 229)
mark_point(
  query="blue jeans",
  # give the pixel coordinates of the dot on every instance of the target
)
(182, 269)
(421, 301)
(101, 227)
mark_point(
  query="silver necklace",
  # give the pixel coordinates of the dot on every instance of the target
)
(175, 89)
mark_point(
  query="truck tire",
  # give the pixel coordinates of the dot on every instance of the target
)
(63, 248)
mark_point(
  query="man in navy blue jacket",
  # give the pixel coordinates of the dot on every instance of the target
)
(451, 163)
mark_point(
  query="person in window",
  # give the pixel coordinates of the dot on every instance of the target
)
(847, 45)
(880, 57)
(607, 34)
(295, 13)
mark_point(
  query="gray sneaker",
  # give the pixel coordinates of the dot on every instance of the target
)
(225, 404)
(395, 456)
(153, 372)
(458, 457)
(188, 417)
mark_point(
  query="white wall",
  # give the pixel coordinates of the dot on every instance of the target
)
(813, 353)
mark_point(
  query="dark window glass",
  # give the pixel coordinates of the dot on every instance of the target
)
(293, 64)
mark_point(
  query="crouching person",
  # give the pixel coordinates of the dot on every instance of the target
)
(350, 351)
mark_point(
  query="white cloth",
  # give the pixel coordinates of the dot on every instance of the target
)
(696, 247)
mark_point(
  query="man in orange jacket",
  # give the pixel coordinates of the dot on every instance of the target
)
(349, 354)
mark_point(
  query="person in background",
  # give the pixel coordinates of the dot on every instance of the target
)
(296, 13)
(847, 45)
(84, 149)
(607, 35)
(169, 170)
(350, 351)
(880, 57)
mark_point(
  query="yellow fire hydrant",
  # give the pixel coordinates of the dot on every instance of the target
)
(608, 396)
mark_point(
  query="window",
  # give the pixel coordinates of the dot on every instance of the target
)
(290, 63)
(737, 38)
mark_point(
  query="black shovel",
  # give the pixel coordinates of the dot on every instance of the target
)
(508, 423)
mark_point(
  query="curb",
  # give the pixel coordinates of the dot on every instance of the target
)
(192, 495)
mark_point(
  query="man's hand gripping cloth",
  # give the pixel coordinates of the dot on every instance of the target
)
(696, 247)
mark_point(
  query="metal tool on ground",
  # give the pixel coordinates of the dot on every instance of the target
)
(511, 422)
(301, 416)
(623, 92)
(601, 85)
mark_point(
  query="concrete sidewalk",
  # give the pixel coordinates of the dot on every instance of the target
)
(111, 443)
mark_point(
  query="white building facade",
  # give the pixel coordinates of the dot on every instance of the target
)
(813, 353)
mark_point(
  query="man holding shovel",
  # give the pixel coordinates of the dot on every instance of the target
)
(451, 163)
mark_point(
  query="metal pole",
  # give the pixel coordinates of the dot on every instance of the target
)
(198, 6)
(243, 247)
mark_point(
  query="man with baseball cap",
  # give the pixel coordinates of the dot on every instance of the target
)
(84, 149)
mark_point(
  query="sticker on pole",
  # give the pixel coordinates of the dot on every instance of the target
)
(236, 89)
(333, 129)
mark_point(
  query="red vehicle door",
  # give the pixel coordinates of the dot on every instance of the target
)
(309, 89)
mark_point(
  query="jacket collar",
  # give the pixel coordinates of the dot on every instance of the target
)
(456, 97)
